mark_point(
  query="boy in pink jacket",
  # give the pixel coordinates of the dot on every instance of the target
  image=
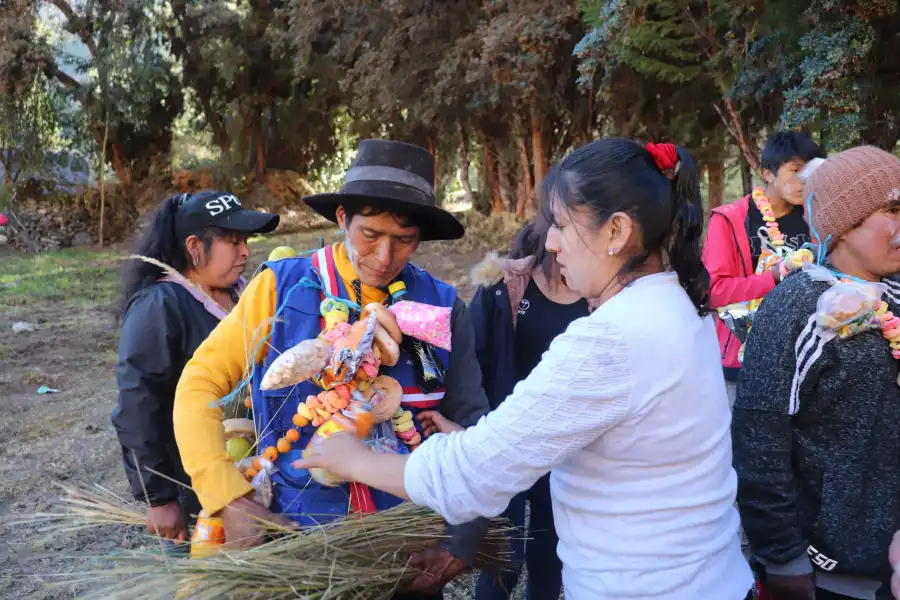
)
(734, 241)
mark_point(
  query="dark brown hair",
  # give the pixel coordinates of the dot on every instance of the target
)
(620, 175)
(530, 241)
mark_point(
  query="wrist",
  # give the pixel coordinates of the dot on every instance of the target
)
(800, 565)
(361, 465)
(158, 502)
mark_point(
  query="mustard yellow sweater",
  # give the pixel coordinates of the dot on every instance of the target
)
(219, 365)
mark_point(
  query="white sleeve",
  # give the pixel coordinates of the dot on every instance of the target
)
(580, 389)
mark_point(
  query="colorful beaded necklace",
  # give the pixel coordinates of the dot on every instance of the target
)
(890, 327)
(765, 208)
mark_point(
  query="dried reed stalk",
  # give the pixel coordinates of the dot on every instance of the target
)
(85, 508)
(351, 558)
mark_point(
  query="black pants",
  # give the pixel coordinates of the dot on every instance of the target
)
(826, 595)
(538, 552)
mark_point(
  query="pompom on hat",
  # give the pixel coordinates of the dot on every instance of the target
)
(847, 188)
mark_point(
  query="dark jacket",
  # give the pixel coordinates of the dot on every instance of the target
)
(501, 286)
(163, 326)
(819, 469)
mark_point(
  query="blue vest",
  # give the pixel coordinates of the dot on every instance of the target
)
(295, 493)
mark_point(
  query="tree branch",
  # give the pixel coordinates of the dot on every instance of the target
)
(76, 25)
(52, 70)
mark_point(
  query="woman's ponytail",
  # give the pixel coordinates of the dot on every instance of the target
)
(683, 247)
(160, 243)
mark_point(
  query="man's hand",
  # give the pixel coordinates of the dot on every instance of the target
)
(167, 521)
(894, 554)
(437, 567)
(778, 271)
(791, 587)
(247, 522)
(434, 422)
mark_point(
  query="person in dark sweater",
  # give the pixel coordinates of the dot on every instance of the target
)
(816, 428)
(737, 235)
(166, 314)
(521, 305)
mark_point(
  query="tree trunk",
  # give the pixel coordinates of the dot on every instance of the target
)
(464, 164)
(102, 178)
(748, 148)
(483, 199)
(220, 133)
(521, 198)
(527, 201)
(537, 145)
(260, 148)
(505, 196)
(715, 172)
(746, 177)
(491, 175)
(432, 148)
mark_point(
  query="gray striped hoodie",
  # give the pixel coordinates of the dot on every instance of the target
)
(816, 434)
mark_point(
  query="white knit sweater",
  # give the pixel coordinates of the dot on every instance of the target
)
(628, 408)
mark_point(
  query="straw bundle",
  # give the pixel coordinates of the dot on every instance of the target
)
(359, 558)
(85, 508)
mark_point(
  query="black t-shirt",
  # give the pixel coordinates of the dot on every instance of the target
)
(539, 321)
(792, 225)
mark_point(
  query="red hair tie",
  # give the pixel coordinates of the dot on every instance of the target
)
(665, 155)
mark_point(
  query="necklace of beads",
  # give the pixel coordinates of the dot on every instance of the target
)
(890, 327)
(765, 208)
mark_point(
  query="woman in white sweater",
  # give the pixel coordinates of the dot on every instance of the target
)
(628, 407)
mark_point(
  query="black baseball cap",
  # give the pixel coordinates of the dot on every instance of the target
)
(219, 209)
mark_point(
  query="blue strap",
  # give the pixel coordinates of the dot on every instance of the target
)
(822, 245)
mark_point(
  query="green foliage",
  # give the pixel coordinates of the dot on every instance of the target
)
(28, 128)
(841, 84)
(293, 84)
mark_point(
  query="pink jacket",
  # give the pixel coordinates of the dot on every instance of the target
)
(727, 257)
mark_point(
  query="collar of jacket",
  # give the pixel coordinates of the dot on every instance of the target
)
(515, 275)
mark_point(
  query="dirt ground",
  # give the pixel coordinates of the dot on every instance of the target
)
(69, 298)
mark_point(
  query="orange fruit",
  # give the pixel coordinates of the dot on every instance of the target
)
(283, 446)
(248, 403)
(257, 463)
(271, 454)
(300, 420)
(292, 435)
(251, 473)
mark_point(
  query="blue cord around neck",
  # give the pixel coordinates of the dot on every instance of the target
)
(821, 245)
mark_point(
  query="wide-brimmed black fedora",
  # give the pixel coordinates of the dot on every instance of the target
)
(397, 178)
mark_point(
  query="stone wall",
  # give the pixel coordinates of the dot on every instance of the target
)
(73, 220)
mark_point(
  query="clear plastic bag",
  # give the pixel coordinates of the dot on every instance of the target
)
(384, 440)
(424, 322)
(848, 307)
(297, 364)
(262, 481)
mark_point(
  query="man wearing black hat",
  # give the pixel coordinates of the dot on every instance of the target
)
(386, 208)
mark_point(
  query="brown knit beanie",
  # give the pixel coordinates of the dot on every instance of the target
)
(848, 187)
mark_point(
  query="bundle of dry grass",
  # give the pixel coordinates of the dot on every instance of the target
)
(84, 508)
(359, 558)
